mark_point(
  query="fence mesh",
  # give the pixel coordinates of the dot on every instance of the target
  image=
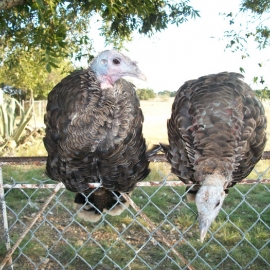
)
(238, 239)
(39, 110)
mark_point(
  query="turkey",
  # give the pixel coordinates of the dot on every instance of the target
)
(94, 134)
(217, 133)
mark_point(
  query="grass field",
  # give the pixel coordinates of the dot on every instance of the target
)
(239, 236)
(238, 239)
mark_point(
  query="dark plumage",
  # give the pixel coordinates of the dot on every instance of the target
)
(94, 134)
(216, 136)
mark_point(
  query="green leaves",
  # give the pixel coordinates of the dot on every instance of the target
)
(59, 29)
(40, 4)
(26, 70)
(256, 12)
(145, 94)
(255, 27)
(50, 59)
(25, 118)
(263, 94)
(242, 70)
(262, 36)
(8, 130)
(256, 6)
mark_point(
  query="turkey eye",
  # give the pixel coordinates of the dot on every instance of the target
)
(116, 61)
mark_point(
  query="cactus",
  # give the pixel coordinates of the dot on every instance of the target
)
(8, 130)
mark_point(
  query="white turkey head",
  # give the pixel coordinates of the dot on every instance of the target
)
(209, 200)
(112, 65)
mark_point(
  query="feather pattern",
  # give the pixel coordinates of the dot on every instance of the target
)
(217, 125)
(217, 134)
(94, 135)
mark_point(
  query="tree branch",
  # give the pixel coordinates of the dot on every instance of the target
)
(6, 4)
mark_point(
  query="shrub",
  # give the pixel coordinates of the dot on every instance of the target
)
(10, 131)
(145, 94)
(263, 94)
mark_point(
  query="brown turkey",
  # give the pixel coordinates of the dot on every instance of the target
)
(217, 133)
(94, 134)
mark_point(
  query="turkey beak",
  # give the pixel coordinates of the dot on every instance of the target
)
(142, 77)
(133, 70)
(138, 74)
(204, 225)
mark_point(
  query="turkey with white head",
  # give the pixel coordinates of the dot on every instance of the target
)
(217, 133)
(94, 134)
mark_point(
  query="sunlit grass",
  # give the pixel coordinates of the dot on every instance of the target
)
(234, 229)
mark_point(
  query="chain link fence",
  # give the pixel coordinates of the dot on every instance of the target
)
(39, 110)
(159, 231)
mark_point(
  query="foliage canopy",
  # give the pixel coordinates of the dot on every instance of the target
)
(29, 77)
(145, 94)
(167, 93)
(256, 27)
(36, 36)
(60, 28)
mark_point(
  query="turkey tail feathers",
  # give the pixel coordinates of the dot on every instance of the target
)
(164, 148)
(153, 151)
(98, 201)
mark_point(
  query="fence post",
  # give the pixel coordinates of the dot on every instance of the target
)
(4, 213)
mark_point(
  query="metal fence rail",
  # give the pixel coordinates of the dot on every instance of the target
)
(159, 231)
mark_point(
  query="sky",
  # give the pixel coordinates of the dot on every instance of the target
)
(195, 48)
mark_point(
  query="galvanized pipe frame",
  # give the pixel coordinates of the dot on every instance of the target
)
(140, 184)
(5, 221)
(39, 160)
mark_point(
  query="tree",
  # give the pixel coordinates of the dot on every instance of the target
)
(60, 29)
(167, 93)
(28, 77)
(263, 94)
(164, 93)
(145, 94)
(257, 14)
(173, 93)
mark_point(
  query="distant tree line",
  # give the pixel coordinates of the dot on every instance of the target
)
(143, 94)
(263, 94)
(146, 93)
(167, 93)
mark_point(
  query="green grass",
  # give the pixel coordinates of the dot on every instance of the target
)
(126, 239)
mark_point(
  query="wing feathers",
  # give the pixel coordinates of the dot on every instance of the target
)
(217, 125)
(95, 135)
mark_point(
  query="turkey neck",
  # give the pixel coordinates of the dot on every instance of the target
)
(215, 180)
(109, 97)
